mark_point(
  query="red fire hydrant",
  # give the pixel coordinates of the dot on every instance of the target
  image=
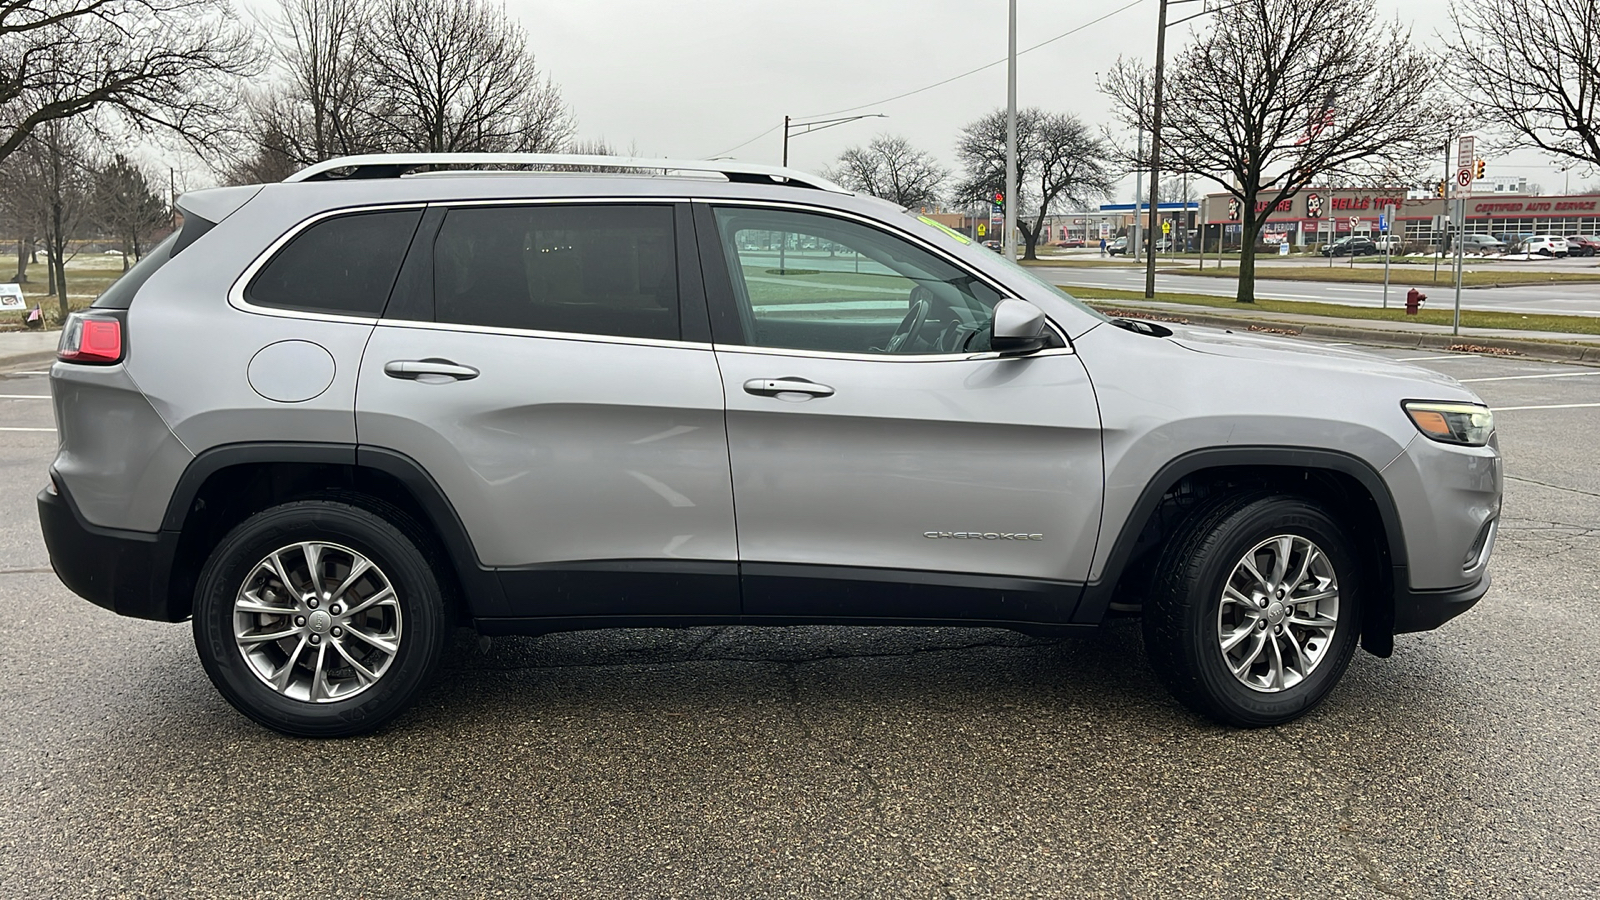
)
(1414, 301)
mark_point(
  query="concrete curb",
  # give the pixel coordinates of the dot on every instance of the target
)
(20, 348)
(20, 360)
(1584, 354)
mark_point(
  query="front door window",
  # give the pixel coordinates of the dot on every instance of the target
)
(805, 281)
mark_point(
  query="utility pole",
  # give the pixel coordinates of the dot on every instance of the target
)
(1439, 251)
(786, 142)
(1155, 153)
(1138, 185)
(1009, 242)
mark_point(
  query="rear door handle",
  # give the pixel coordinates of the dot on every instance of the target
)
(771, 387)
(414, 369)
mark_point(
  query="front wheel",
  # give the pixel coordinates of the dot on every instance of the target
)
(319, 618)
(1255, 611)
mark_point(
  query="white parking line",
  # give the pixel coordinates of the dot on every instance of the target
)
(24, 396)
(1446, 356)
(1521, 377)
(18, 428)
(1552, 406)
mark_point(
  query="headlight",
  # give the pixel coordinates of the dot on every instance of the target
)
(1453, 423)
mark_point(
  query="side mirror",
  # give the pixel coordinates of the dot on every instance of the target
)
(1017, 329)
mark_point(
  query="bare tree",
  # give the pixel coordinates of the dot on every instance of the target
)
(1060, 162)
(46, 179)
(124, 205)
(1532, 69)
(458, 76)
(1279, 93)
(889, 167)
(160, 64)
(322, 104)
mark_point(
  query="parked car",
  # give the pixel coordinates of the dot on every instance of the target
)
(1542, 245)
(1351, 246)
(331, 419)
(1118, 247)
(1481, 243)
(1070, 243)
(1582, 244)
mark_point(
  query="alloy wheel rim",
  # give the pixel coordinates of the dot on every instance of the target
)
(317, 622)
(1279, 610)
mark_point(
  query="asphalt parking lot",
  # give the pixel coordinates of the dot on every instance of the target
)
(832, 762)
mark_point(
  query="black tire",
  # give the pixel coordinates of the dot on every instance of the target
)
(391, 542)
(1182, 631)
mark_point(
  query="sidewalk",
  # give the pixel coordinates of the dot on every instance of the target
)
(23, 347)
(1550, 345)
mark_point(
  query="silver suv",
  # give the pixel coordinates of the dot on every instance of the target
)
(333, 418)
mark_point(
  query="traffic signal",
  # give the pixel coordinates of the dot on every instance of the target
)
(1478, 173)
(1444, 187)
(999, 199)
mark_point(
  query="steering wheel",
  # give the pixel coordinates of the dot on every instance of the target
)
(921, 303)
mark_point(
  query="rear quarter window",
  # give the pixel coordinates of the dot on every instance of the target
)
(344, 265)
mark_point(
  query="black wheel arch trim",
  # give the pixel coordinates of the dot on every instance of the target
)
(480, 584)
(1379, 628)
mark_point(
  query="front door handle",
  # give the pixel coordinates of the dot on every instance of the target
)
(416, 369)
(771, 387)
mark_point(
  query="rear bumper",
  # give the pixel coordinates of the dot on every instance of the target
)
(1427, 610)
(123, 571)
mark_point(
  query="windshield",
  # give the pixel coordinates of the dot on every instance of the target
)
(959, 240)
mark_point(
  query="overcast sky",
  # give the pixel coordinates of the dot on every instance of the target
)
(705, 78)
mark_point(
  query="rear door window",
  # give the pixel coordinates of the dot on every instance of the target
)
(603, 269)
(344, 265)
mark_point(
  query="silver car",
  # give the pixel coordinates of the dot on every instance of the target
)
(331, 419)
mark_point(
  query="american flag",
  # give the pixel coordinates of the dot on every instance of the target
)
(1319, 122)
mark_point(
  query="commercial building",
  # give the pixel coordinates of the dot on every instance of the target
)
(1318, 215)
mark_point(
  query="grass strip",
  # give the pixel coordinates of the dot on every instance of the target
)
(1470, 318)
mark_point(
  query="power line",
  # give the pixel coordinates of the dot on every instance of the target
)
(981, 68)
(1064, 34)
(751, 141)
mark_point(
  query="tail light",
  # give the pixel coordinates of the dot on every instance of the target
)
(91, 338)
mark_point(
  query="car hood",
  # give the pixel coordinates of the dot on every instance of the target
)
(1300, 354)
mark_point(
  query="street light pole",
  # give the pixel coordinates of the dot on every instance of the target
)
(790, 127)
(1009, 241)
(1155, 153)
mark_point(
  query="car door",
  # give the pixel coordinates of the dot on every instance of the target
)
(533, 361)
(885, 465)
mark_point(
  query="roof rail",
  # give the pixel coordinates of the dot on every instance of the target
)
(394, 165)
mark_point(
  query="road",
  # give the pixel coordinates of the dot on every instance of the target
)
(831, 762)
(1563, 299)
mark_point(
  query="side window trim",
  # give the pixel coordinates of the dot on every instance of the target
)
(728, 325)
(694, 316)
(411, 299)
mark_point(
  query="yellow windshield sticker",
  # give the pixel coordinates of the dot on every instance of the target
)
(946, 229)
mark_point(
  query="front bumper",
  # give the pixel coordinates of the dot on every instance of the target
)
(1426, 610)
(123, 571)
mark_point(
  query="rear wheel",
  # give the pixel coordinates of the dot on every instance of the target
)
(1255, 611)
(319, 618)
